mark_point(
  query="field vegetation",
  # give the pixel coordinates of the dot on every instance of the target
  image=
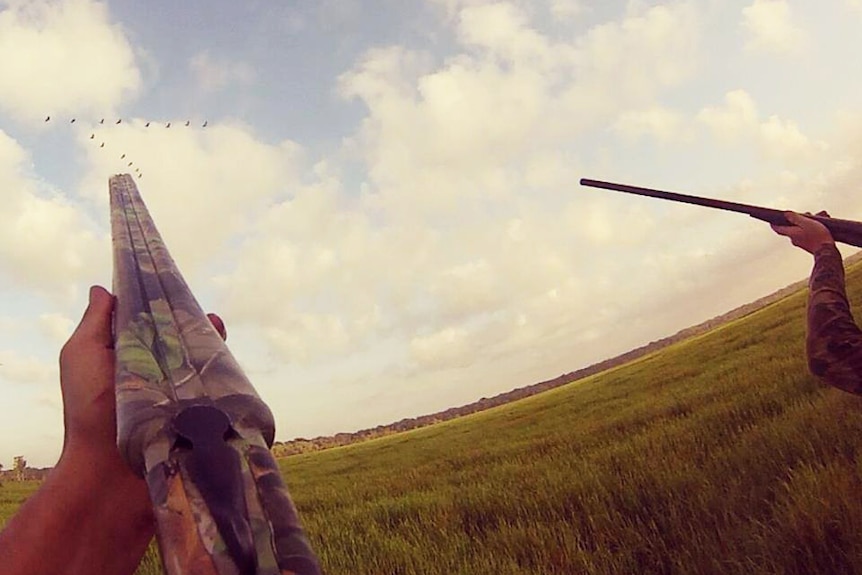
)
(717, 455)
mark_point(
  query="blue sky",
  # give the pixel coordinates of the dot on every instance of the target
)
(384, 206)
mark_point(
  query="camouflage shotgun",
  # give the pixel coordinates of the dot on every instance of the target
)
(190, 422)
(844, 231)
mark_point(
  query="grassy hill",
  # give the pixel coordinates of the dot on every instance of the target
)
(715, 455)
(719, 454)
(302, 445)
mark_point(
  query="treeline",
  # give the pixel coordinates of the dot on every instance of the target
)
(303, 445)
(26, 474)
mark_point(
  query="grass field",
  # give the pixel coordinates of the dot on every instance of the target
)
(718, 455)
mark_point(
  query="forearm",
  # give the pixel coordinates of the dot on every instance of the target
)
(834, 342)
(91, 516)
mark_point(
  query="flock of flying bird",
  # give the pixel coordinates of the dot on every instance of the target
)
(120, 121)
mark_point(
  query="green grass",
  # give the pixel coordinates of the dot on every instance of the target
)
(716, 455)
(12, 495)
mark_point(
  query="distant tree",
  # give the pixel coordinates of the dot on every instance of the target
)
(20, 465)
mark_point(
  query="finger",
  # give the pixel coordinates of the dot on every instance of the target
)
(96, 323)
(218, 324)
(784, 229)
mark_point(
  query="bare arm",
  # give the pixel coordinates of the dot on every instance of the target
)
(91, 515)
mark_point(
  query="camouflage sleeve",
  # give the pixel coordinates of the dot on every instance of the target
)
(834, 343)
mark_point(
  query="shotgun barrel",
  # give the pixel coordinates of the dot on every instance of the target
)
(190, 422)
(844, 231)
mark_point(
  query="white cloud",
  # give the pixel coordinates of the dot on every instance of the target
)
(202, 185)
(783, 138)
(662, 124)
(58, 327)
(777, 138)
(771, 27)
(504, 30)
(447, 348)
(601, 225)
(649, 50)
(45, 240)
(213, 75)
(317, 270)
(451, 152)
(63, 58)
(452, 7)
(16, 368)
(309, 337)
(512, 95)
(567, 10)
(732, 120)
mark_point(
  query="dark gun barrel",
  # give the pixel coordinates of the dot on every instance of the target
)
(844, 231)
(190, 422)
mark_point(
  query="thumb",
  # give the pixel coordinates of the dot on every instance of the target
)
(96, 323)
(794, 218)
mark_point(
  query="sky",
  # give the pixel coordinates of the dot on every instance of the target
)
(384, 203)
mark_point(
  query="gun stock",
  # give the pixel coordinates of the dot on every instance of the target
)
(190, 422)
(844, 231)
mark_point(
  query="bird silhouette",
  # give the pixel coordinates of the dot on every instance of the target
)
(188, 122)
(123, 156)
(118, 121)
(48, 118)
(141, 174)
(130, 163)
(147, 125)
(102, 145)
(205, 123)
(73, 121)
(102, 121)
(169, 125)
(92, 136)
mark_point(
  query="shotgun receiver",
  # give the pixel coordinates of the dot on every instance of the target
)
(190, 422)
(844, 231)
